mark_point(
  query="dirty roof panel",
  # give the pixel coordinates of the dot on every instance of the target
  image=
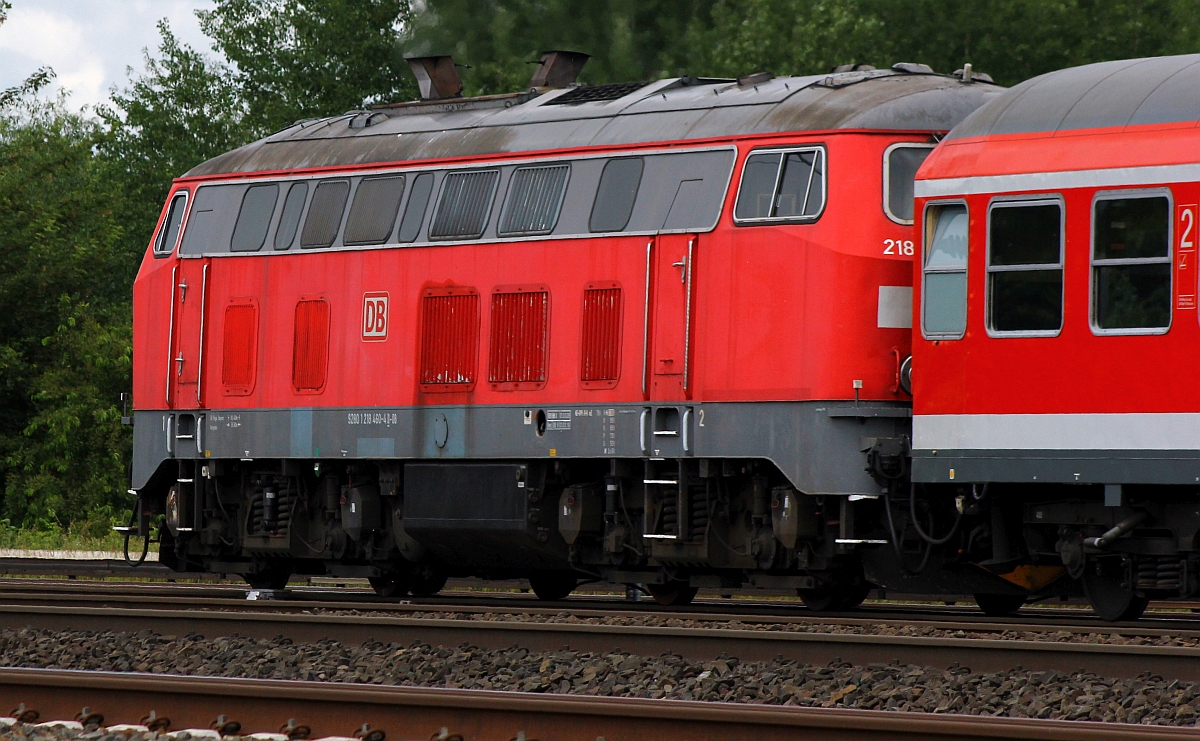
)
(1156, 90)
(675, 109)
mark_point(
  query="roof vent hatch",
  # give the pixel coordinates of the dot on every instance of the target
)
(437, 77)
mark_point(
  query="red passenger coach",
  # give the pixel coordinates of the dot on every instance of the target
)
(1058, 326)
(647, 332)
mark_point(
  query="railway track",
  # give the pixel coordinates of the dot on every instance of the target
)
(1172, 619)
(411, 713)
(696, 642)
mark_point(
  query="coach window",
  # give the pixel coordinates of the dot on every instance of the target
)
(535, 195)
(900, 165)
(786, 185)
(254, 218)
(170, 229)
(1025, 267)
(464, 204)
(325, 214)
(1131, 264)
(289, 220)
(944, 298)
(616, 194)
(414, 210)
(373, 213)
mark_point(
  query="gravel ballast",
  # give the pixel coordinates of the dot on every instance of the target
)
(1050, 635)
(1078, 696)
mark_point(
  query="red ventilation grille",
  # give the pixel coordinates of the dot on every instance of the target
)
(600, 364)
(240, 347)
(310, 349)
(449, 338)
(520, 325)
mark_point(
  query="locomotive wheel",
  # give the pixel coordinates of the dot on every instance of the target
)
(274, 578)
(554, 585)
(828, 598)
(672, 594)
(392, 585)
(1110, 599)
(428, 584)
(999, 605)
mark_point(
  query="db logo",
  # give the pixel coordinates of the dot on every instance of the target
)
(375, 317)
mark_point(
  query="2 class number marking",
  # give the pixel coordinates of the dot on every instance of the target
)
(898, 247)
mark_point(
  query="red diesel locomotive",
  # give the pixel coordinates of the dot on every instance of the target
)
(1053, 399)
(648, 333)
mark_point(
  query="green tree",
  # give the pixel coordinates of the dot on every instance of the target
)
(64, 338)
(295, 59)
(498, 39)
(181, 110)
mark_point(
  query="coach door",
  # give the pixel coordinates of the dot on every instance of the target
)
(671, 308)
(189, 304)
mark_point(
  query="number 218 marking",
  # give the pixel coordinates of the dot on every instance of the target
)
(897, 247)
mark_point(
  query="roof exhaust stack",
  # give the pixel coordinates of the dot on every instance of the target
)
(436, 76)
(558, 69)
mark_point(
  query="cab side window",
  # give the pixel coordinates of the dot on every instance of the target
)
(944, 297)
(169, 234)
(782, 186)
(1131, 264)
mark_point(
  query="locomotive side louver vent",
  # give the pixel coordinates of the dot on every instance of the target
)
(464, 205)
(310, 348)
(600, 364)
(239, 347)
(535, 196)
(520, 325)
(449, 338)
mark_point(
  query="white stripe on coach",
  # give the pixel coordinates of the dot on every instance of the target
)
(1057, 431)
(1115, 177)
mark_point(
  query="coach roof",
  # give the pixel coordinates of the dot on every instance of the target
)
(1129, 92)
(666, 110)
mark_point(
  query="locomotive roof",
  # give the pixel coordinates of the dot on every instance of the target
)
(902, 98)
(1128, 92)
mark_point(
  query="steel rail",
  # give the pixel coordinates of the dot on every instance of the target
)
(408, 712)
(694, 644)
(230, 597)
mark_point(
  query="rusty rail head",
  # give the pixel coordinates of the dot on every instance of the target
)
(407, 712)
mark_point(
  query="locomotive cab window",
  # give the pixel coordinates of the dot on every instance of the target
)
(1025, 267)
(373, 213)
(1131, 264)
(900, 165)
(170, 228)
(254, 218)
(464, 205)
(325, 214)
(784, 185)
(944, 298)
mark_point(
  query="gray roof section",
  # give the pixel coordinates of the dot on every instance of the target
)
(1154, 90)
(666, 110)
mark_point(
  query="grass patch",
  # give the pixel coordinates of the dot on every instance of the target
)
(58, 540)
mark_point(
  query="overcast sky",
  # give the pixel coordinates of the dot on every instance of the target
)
(89, 43)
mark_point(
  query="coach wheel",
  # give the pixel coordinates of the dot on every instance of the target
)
(391, 585)
(554, 585)
(673, 593)
(428, 584)
(1105, 589)
(273, 578)
(999, 605)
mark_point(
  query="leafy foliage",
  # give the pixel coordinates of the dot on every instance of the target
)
(302, 58)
